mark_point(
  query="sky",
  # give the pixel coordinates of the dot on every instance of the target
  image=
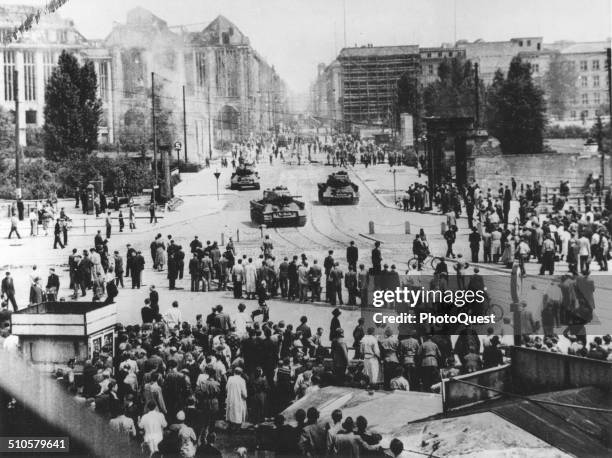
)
(296, 35)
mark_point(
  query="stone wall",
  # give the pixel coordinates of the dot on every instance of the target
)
(547, 168)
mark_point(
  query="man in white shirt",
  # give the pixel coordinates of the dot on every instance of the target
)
(584, 252)
(173, 316)
(153, 424)
(241, 320)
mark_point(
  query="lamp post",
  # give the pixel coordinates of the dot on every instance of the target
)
(217, 175)
(394, 171)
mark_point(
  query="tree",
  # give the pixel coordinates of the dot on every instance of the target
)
(410, 100)
(560, 85)
(72, 110)
(516, 110)
(454, 94)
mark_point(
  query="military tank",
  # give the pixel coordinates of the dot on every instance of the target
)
(245, 177)
(278, 208)
(338, 190)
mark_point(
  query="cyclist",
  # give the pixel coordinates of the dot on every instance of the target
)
(420, 250)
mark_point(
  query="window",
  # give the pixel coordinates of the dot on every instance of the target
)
(584, 81)
(225, 38)
(584, 114)
(583, 65)
(9, 67)
(596, 98)
(29, 76)
(528, 42)
(5, 35)
(62, 36)
(521, 43)
(48, 65)
(104, 81)
(429, 55)
(573, 114)
(539, 46)
(585, 99)
(595, 65)
(536, 68)
(440, 54)
(573, 100)
(450, 54)
(201, 68)
(30, 116)
(596, 81)
(431, 69)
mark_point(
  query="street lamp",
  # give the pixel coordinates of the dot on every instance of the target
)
(217, 175)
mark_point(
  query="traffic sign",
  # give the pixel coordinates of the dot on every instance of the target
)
(178, 146)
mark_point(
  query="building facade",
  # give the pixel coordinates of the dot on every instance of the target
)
(34, 56)
(368, 76)
(230, 91)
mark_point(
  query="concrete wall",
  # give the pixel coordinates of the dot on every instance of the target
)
(536, 371)
(548, 168)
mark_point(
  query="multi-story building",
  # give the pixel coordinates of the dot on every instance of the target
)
(371, 85)
(369, 77)
(326, 95)
(230, 90)
(34, 55)
(588, 60)
(431, 58)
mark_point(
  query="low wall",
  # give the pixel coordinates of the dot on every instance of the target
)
(547, 168)
(537, 371)
(456, 393)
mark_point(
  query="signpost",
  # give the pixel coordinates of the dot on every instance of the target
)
(217, 175)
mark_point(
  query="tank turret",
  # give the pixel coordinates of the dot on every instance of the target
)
(338, 190)
(278, 207)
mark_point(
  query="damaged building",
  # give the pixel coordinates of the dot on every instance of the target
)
(230, 91)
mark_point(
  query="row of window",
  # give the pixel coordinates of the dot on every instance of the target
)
(441, 54)
(585, 99)
(584, 114)
(49, 60)
(584, 81)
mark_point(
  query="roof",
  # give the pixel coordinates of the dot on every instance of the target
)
(379, 407)
(378, 51)
(586, 48)
(574, 431)
(481, 434)
(211, 35)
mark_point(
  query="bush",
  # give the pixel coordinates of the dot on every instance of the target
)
(566, 132)
(38, 179)
(121, 175)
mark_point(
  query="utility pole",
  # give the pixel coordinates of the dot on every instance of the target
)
(184, 126)
(209, 121)
(344, 15)
(609, 55)
(477, 96)
(154, 126)
(600, 148)
(17, 146)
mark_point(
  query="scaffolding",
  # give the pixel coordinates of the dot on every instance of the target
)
(369, 81)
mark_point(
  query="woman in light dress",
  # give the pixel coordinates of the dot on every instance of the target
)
(371, 357)
(160, 253)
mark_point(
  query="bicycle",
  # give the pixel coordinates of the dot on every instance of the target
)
(431, 260)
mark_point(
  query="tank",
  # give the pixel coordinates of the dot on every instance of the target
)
(278, 208)
(245, 177)
(338, 190)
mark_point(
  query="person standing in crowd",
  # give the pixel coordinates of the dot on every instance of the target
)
(8, 290)
(236, 400)
(14, 228)
(352, 255)
(108, 224)
(33, 222)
